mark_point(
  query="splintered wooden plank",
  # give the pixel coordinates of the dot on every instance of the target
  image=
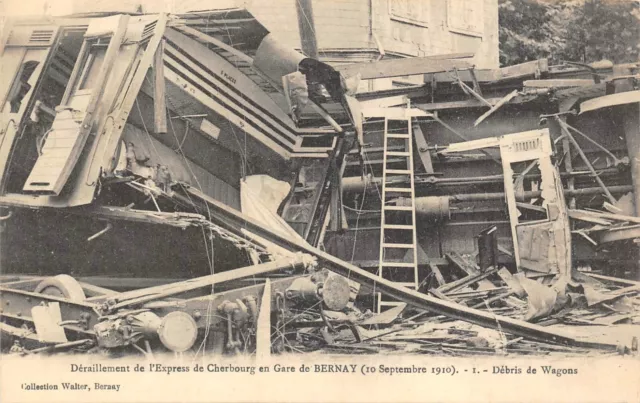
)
(603, 216)
(466, 281)
(579, 215)
(385, 317)
(496, 106)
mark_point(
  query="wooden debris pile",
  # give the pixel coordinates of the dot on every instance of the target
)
(590, 306)
(600, 228)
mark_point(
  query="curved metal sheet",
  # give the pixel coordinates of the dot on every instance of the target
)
(606, 101)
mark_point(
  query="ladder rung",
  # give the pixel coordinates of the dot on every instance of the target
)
(399, 171)
(397, 153)
(397, 226)
(397, 264)
(399, 245)
(399, 208)
(397, 136)
(402, 190)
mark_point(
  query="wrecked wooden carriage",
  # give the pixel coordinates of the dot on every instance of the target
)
(136, 134)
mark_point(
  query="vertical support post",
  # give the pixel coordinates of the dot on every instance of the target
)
(263, 327)
(335, 221)
(159, 100)
(568, 165)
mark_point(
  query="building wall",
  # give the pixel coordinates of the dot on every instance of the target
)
(402, 27)
(340, 24)
(356, 27)
(431, 27)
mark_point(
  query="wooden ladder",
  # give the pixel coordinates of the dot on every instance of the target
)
(398, 246)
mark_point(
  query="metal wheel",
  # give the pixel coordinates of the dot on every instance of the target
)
(63, 286)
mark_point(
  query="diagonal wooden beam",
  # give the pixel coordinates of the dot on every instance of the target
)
(423, 150)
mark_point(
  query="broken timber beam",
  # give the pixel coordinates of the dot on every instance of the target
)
(496, 106)
(466, 281)
(241, 224)
(461, 263)
(463, 137)
(138, 297)
(180, 220)
(437, 273)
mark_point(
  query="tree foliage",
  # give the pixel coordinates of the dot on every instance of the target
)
(577, 30)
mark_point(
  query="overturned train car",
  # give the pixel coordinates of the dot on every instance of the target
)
(106, 112)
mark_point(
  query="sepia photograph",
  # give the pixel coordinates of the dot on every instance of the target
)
(319, 200)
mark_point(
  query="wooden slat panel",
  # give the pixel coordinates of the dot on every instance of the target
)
(55, 152)
(52, 169)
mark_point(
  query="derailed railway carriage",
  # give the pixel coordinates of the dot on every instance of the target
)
(119, 135)
(187, 183)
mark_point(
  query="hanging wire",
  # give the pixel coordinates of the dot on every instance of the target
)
(309, 309)
(360, 211)
(355, 235)
(210, 255)
(208, 243)
(368, 166)
(146, 130)
(245, 163)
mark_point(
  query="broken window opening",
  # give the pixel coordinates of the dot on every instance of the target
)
(47, 96)
(21, 86)
(92, 66)
(86, 73)
(531, 206)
